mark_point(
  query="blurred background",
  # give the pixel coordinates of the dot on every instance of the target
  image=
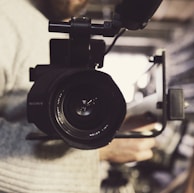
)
(171, 29)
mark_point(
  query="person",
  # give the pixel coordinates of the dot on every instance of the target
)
(37, 166)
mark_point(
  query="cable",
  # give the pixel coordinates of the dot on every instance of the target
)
(114, 41)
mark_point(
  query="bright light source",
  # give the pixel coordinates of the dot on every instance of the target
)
(143, 81)
(125, 69)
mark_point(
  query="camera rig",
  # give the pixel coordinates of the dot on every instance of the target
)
(73, 101)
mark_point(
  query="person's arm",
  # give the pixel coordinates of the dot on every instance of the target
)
(43, 166)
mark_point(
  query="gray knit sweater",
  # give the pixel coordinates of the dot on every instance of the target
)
(32, 166)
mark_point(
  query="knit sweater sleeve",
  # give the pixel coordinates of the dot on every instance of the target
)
(43, 167)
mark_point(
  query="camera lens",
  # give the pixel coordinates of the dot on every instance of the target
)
(86, 108)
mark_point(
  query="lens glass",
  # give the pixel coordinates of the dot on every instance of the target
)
(85, 106)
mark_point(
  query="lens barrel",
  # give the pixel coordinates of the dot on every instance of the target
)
(86, 109)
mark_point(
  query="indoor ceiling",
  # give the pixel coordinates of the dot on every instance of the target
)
(171, 16)
(173, 10)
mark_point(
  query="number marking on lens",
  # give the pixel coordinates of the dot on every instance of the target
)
(98, 132)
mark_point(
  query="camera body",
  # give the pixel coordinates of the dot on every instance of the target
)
(73, 101)
(83, 107)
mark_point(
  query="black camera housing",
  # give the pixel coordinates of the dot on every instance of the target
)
(72, 100)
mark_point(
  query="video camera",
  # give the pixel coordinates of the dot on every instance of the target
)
(72, 100)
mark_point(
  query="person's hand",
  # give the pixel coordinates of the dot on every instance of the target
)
(128, 150)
